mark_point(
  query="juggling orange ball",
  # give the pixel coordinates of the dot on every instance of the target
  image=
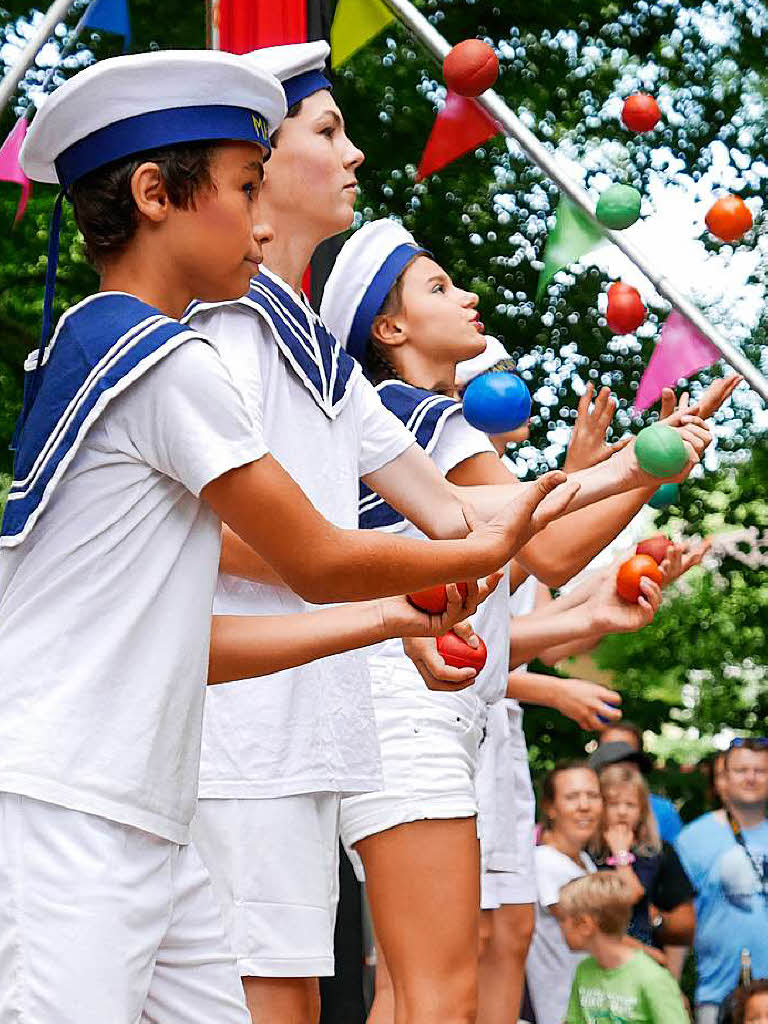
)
(729, 219)
(641, 112)
(632, 571)
(470, 68)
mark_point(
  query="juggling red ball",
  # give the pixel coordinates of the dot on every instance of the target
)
(435, 599)
(632, 571)
(655, 546)
(729, 219)
(470, 68)
(455, 652)
(625, 310)
(641, 112)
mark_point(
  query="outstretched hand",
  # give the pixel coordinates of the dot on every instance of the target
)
(587, 445)
(681, 557)
(593, 707)
(709, 401)
(402, 619)
(612, 614)
(534, 506)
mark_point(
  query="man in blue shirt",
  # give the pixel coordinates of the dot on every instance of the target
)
(725, 854)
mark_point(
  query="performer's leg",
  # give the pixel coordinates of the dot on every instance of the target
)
(502, 962)
(423, 882)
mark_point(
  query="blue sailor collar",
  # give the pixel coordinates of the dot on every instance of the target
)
(424, 413)
(100, 347)
(315, 356)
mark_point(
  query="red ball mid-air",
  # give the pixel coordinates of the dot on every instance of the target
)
(656, 546)
(729, 219)
(641, 112)
(625, 310)
(455, 652)
(632, 571)
(435, 599)
(470, 68)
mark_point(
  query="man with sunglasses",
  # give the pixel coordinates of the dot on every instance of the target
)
(725, 854)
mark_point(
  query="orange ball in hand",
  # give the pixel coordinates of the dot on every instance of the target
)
(470, 68)
(729, 219)
(632, 571)
(435, 599)
(455, 652)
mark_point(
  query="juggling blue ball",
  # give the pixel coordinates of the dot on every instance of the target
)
(664, 496)
(497, 402)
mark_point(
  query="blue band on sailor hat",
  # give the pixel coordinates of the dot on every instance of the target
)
(301, 86)
(160, 128)
(375, 294)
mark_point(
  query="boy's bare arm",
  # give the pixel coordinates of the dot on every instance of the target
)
(323, 563)
(244, 646)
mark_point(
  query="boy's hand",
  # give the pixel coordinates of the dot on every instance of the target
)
(591, 706)
(612, 614)
(716, 395)
(401, 619)
(433, 670)
(536, 505)
(587, 445)
(696, 438)
(681, 557)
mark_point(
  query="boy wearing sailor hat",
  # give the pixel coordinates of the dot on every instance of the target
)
(133, 441)
(277, 757)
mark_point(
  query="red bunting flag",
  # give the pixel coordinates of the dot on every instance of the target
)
(462, 125)
(10, 169)
(682, 351)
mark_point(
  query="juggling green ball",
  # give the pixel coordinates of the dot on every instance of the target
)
(660, 450)
(618, 207)
(666, 495)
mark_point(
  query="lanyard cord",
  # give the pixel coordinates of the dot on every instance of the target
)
(738, 835)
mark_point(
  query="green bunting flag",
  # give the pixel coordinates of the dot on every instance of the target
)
(573, 235)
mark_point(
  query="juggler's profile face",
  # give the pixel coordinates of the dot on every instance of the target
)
(218, 239)
(311, 177)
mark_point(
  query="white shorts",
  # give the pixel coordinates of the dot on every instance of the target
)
(429, 744)
(101, 923)
(508, 814)
(275, 869)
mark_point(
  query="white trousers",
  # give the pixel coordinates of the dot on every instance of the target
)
(104, 924)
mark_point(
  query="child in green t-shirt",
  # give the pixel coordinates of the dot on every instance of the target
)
(617, 983)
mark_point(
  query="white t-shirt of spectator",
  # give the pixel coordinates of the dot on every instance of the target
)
(311, 728)
(105, 609)
(551, 964)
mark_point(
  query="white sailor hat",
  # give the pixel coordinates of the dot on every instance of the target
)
(364, 272)
(126, 105)
(299, 66)
(470, 368)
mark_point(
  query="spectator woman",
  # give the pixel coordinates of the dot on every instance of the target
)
(572, 806)
(629, 843)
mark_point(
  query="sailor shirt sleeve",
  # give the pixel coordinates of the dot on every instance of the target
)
(458, 441)
(188, 419)
(382, 437)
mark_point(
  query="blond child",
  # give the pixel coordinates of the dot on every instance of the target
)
(616, 983)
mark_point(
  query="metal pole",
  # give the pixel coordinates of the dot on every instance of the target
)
(56, 13)
(513, 127)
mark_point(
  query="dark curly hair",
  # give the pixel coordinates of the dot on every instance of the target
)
(104, 207)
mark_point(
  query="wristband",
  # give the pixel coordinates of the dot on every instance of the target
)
(621, 860)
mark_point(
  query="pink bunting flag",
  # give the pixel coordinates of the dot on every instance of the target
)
(682, 351)
(460, 126)
(10, 169)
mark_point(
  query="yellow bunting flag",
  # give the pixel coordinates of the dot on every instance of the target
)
(355, 23)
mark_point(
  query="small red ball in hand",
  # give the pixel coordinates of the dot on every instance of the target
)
(470, 68)
(455, 652)
(435, 599)
(625, 310)
(641, 112)
(729, 219)
(630, 574)
(656, 547)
